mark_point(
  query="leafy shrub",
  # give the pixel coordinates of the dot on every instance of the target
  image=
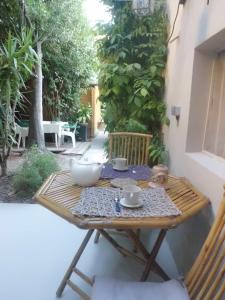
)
(84, 113)
(157, 151)
(133, 55)
(37, 166)
(134, 126)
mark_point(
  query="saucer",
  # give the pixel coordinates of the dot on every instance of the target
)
(121, 182)
(118, 169)
(124, 203)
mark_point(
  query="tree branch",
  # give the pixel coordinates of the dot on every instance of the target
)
(8, 152)
(26, 16)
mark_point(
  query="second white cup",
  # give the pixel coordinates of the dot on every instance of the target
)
(131, 194)
(119, 163)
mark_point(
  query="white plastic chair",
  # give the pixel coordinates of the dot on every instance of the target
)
(66, 132)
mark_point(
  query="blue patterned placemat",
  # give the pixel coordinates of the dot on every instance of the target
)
(134, 172)
(100, 202)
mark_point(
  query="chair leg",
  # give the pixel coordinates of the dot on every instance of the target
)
(57, 141)
(24, 141)
(97, 236)
(73, 141)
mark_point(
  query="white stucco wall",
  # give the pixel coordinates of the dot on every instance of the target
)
(199, 34)
(198, 25)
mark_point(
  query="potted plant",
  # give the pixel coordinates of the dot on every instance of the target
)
(83, 115)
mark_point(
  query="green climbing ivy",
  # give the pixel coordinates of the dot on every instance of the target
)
(133, 55)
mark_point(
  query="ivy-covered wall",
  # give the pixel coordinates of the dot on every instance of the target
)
(133, 53)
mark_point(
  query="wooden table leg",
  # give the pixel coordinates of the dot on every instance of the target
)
(135, 249)
(112, 241)
(139, 245)
(97, 236)
(156, 267)
(74, 263)
(151, 264)
(124, 251)
(153, 254)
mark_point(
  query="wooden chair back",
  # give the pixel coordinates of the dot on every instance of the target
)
(206, 279)
(133, 146)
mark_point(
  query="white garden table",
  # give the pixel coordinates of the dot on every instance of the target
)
(56, 128)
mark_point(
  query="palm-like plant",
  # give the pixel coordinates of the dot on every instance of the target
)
(17, 58)
(84, 113)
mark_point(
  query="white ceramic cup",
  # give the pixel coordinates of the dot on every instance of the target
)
(131, 194)
(119, 163)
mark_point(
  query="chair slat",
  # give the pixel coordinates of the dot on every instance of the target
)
(145, 146)
(208, 265)
(206, 279)
(139, 151)
(204, 254)
(212, 274)
(215, 284)
(220, 293)
(133, 146)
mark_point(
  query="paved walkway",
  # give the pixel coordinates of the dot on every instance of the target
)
(95, 153)
(97, 150)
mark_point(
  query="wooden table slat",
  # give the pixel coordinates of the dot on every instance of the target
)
(60, 196)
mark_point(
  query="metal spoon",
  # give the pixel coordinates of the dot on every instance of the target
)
(117, 202)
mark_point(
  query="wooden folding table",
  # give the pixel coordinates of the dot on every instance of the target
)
(60, 195)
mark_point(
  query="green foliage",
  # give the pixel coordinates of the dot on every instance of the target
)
(84, 113)
(37, 166)
(80, 113)
(157, 151)
(135, 126)
(133, 58)
(69, 54)
(17, 58)
(131, 126)
(10, 18)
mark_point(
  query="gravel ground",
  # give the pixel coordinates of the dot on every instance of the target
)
(7, 194)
